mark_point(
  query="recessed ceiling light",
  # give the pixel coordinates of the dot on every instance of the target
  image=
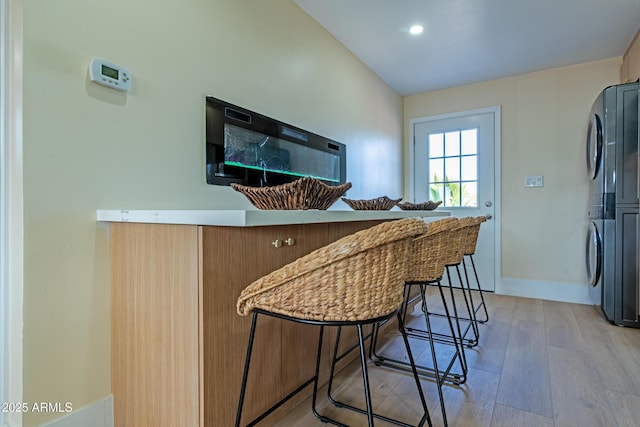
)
(416, 29)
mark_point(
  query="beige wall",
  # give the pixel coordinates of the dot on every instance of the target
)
(88, 147)
(544, 116)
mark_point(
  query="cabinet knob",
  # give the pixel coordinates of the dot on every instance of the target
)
(290, 241)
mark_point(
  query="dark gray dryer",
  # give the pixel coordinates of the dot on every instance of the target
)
(612, 238)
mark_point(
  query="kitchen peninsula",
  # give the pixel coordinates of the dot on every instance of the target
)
(178, 344)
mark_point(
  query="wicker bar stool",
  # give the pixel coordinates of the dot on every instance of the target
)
(354, 281)
(468, 250)
(426, 266)
(453, 260)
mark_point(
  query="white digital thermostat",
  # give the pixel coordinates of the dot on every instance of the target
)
(111, 75)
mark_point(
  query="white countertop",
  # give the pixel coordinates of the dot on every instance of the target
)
(255, 218)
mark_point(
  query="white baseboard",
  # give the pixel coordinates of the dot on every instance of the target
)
(554, 291)
(97, 414)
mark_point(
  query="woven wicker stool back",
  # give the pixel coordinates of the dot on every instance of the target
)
(471, 238)
(429, 251)
(453, 253)
(358, 277)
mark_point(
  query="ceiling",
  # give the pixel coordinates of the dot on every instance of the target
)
(468, 41)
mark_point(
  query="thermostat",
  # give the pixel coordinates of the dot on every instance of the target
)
(111, 75)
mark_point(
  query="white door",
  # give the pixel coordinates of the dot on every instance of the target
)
(455, 160)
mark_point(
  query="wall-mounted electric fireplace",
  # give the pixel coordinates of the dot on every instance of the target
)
(252, 149)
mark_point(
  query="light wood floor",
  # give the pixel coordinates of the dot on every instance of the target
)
(538, 363)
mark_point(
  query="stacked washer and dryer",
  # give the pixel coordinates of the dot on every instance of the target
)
(612, 239)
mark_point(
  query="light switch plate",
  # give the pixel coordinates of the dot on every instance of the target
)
(533, 181)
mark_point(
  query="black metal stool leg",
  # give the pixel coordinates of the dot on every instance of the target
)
(443, 375)
(471, 318)
(405, 302)
(315, 387)
(468, 302)
(436, 372)
(457, 321)
(315, 383)
(245, 374)
(425, 417)
(332, 368)
(369, 412)
(459, 354)
(286, 398)
(482, 304)
(365, 377)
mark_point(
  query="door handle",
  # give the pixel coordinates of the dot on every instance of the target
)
(488, 216)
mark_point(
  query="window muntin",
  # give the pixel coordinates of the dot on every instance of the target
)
(453, 167)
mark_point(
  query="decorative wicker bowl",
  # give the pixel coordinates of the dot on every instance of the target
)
(379, 204)
(302, 194)
(425, 206)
